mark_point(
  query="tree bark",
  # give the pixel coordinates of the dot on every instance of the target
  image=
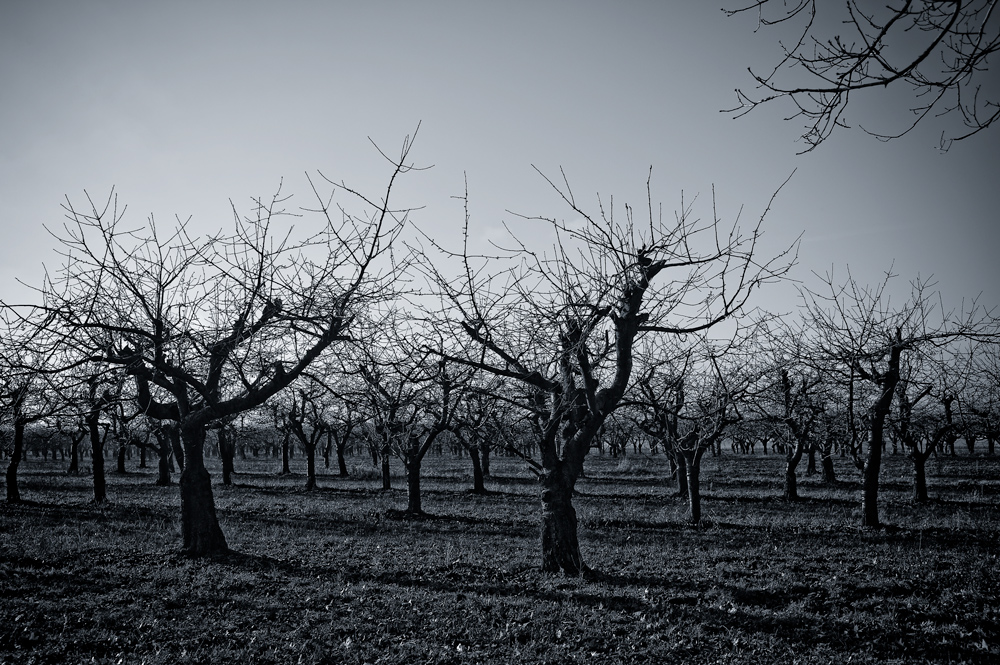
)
(792, 460)
(97, 455)
(485, 451)
(163, 453)
(74, 454)
(560, 542)
(876, 441)
(680, 472)
(413, 506)
(199, 524)
(478, 485)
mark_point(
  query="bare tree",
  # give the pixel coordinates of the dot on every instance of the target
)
(939, 49)
(857, 335)
(413, 395)
(210, 327)
(564, 323)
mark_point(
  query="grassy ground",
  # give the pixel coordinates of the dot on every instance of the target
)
(326, 577)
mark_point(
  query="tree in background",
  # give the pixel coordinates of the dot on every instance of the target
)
(856, 335)
(940, 50)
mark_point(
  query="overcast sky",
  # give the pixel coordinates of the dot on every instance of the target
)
(183, 107)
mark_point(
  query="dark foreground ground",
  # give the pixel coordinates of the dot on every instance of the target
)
(327, 577)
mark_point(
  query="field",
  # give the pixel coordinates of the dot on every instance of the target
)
(329, 576)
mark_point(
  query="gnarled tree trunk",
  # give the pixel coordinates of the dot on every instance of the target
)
(560, 542)
(199, 523)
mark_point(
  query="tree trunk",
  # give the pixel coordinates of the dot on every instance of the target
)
(97, 455)
(829, 476)
(174, 434)
(791, 462)
(163, 452)
(199, 525)
(386, 478)
(120, 468)
(478, 486)
(413, 507)
(680, 472)
(227, 451)
(485, 451)
(74, 455)
(341, 462)
(13, 492)
(310, 464)
(560, 543)
(811, 462)
(869, 496)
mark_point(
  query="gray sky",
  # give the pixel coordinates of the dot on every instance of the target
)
(184, 106)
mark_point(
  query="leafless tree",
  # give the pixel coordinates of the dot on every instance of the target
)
(414, 394)
(859, 336)
(209, 327)
(939, 49)
(564, 322)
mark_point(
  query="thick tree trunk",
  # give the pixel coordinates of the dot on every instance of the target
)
(13, 491)
(869, 493)
(227, 451)
(478, 485)
(199, 525)
(485, 450)
(560, 543)
(680, 472)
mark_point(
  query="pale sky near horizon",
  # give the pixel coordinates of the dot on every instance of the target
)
(184, 106)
